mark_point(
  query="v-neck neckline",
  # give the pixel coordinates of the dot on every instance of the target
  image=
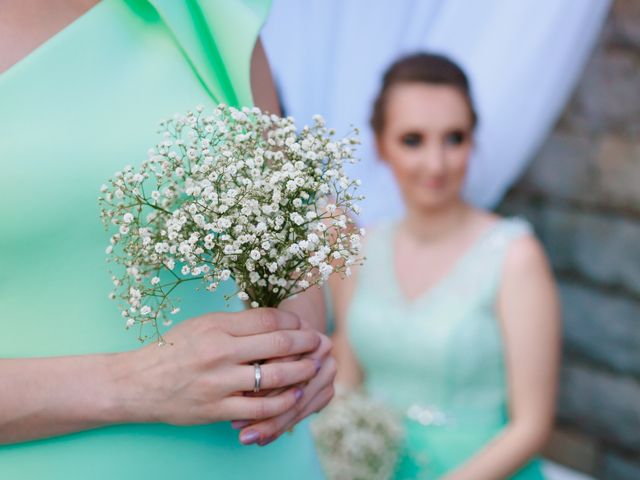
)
(53, 39)
(448, 275)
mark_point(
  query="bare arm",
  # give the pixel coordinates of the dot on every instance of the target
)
(529, 314)
(44, 397)
(310, 307)
(194, 379)
(262, 84)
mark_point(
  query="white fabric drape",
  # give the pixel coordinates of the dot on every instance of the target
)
(523, 58)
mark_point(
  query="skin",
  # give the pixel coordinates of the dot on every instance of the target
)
(200, 375)
(427, 141)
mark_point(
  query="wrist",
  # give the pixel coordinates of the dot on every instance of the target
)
(120, 403)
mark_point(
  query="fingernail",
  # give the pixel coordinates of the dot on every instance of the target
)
(318, 365)
(298, 393)
(249, 437)
(238, 424)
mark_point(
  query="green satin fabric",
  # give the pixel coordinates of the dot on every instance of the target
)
(79, 108)
(441, 352)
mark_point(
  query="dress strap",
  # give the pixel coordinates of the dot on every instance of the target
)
(378, 250)
(217, 38)
(491, 254)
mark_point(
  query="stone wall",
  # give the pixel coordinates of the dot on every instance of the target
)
(582, 193)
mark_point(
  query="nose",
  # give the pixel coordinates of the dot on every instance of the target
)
(434, 160)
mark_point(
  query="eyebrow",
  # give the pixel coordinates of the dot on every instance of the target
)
(415, 129)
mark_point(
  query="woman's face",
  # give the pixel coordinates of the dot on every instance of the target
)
(426, 139)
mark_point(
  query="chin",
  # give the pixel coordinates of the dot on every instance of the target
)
(431, 201)
(434, 199)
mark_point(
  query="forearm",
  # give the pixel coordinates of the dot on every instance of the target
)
(45, 397)
(505, 455)
(309, 306)
(350, 375)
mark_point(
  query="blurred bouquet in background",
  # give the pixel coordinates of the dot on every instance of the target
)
(357, 437)
(236, 194)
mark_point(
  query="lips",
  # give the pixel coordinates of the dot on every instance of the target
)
(433, 183)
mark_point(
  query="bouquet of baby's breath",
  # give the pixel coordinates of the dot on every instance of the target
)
(358, 438)
(235, 194)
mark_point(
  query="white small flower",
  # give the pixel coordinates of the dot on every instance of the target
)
(325, 270)
(294, 249)
(297, 218)
(161, 247)
(224, 197)
(291, 186)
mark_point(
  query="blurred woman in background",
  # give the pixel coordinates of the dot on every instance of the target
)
(453, 320)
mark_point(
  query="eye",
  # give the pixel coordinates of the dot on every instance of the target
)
(411, 139)
(455, 138)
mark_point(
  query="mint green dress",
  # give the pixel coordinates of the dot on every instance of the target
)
(437, 360)
(76, 110)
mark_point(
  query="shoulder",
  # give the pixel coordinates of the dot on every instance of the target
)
(522, 255)
(501, 234)
(524, 252)
(343, 287)
(512, 236)
(526, 270)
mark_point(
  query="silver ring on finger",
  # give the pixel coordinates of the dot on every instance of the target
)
(257, 377)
